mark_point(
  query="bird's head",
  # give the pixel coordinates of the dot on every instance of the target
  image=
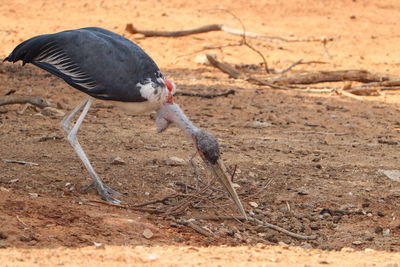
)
(205, 143)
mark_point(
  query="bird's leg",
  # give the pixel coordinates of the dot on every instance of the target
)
(103, 190)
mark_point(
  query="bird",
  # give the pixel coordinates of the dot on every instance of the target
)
(107, 66)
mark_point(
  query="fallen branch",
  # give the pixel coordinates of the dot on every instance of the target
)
(220, 27)
(234, 73)
(259, 222)
(20, 162)
(333, 76)
(23, 99)
(209, 96)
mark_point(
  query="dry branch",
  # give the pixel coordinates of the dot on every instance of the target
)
(334, 76)
(23, 99)
(209, 96)
(234, 73)
(220, 27)
(259, 222)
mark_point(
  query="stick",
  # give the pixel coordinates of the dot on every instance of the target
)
(23, 99)
(234, 73)
(162, 200)
(334, 76)
(208, 96)
(197, 228)
(22, 222)
(220, 27)
(20, 162)
(268, 225)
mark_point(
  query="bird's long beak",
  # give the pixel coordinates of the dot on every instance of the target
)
(221, 173)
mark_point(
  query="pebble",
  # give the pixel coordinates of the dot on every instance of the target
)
(175, 161)
(3, 235)
(331, 140)
(34, 195)
(357, 243)
(53, 112)
(147, 233)
(99, 245)
(314, 227)
(3, 244)
(378, 230)
(386, 232)
(118, 161)
(391, 174)
(253, 204)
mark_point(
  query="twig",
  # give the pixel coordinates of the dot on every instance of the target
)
(300, 61)
(23, 99)
(197, 228)
(234, 73)
(259, 222)
(22, 222)
(20, 162)
(161, 200)
(220, 27)
(244, 40)
(209, 96)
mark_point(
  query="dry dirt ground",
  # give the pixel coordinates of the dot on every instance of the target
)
(297, 154)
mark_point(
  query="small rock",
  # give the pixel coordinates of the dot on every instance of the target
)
(307, 245)
(391, 264)
(99, 245)
(378, 230)
(53, 112)
(314, 227)
(357, 243)
(147, 233)
(258, 125)
(13, 181)
(253, 204)
(368, 250)
(238, 236)
(3, 235)
(391, 174)
(152, 256)
(118, 161)
(283, 244)
(175, 161)
(336, 219)
(3, 189)
(386, 232)
(3, 244)
(34, 195)
(331, 140)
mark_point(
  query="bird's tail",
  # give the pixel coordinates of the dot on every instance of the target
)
(28, 50)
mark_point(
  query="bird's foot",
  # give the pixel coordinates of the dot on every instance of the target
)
(105, 192)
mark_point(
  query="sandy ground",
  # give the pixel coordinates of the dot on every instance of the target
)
(297, 154)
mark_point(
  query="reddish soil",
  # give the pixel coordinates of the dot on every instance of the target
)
(297, 154)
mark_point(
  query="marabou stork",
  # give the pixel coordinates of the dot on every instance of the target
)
(107, 66)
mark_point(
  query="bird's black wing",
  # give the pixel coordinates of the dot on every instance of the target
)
(97, 62)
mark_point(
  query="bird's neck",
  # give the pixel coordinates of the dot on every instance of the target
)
(171, 113)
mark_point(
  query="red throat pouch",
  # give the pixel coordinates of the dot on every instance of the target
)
(170, 98)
